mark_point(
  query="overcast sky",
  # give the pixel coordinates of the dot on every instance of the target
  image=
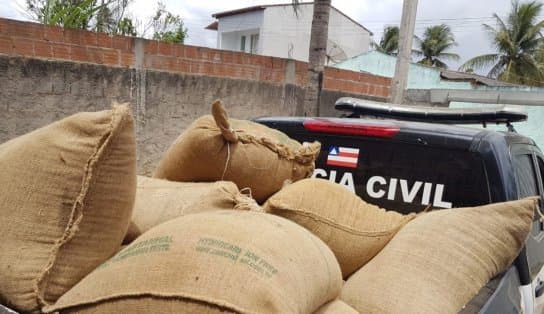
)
(463, 16)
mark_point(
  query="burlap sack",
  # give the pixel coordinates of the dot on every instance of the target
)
(354, 230)
(132, 233)
(159, 200)
(149, 305)
(240, 261)
(249, 154)
(439, 261)
(336, 307)
(66, 196)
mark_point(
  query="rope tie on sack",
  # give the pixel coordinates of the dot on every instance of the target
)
(308, 152)
(246, 192)
(229, 134)
(226, 162)
(244, 201)
(304, 155)
(222, 120)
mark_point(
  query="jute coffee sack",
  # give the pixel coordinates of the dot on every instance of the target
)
(249, 154)
(66, 196)
(439, 261)
(160, 200)
(151, 305)
(354, 229)
(336, 307)
(238, 261)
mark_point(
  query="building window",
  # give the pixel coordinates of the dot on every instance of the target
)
(243, 44)
(254, 41)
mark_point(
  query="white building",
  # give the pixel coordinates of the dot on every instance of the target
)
(276, 30)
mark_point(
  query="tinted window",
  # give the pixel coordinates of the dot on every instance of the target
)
(526, 175)
(528, 186)
(405, 177)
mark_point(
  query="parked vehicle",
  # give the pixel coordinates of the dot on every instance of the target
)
(401, 164)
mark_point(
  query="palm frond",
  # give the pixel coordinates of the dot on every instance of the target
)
(436, 41)
(480, 62)
(530, 67)
(490, 29)
(531, 37)
(497, 69)
(501, 23)
(439, 63)
(449, 56)
(389, 42)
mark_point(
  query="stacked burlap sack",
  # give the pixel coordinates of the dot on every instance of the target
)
(212, 262)
(249, 154)
(440, 260)
(197, 242)
(211, 161)
(355, 230)
(435, 262)
(70, 194)
(159, 200)
(66, 197)
(194, 255)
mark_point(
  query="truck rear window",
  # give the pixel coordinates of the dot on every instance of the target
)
(404, 177)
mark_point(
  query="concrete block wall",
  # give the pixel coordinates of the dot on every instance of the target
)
(47, 73)
(32, 40)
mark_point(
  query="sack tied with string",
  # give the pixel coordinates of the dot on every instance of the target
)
(249, 154)
(160, 200)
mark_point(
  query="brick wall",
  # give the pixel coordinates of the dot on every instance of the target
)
(47, 73)
(32, 40)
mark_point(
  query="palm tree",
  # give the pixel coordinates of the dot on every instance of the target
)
(517, 40)
(317, 56)
(389, 44)
(434, 45)
(540, 58)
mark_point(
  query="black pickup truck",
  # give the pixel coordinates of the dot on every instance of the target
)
(402, 164)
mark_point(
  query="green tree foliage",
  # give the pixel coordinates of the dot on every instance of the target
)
(126, 27)
(519, 43)
(389, 43)
(111, 18)
(67, 13)
(167, 26)
(433, 47)
(540, 58)
(107, 16)
(102, 16)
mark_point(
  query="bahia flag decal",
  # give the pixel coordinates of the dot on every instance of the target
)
(343, 156)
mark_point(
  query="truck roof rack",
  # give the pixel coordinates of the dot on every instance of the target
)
(497, 114)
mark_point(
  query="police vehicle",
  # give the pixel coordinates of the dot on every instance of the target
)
(413, 158)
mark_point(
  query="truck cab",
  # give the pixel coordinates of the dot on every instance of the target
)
(400, 163)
